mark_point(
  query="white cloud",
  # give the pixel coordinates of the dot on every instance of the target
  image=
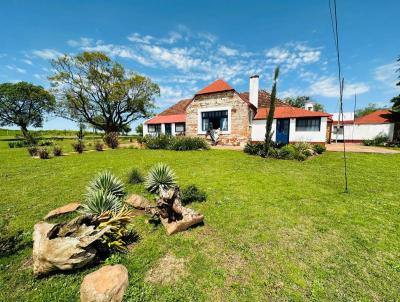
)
(293, 55)
(329, 87)
(172, 38)
(82, 42)
(29, 62)
(228, 51)
(138, 38)
(118, 51)
(15, 68)
(47, 54)
(179, 58)
(387, 74)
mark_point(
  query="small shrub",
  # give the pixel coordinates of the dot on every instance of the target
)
(45, 143)
(99, 146)
(160, 177)
(43, 153)
(19, 144)
(135, 176)
(254, 148)
(161, 141)
(191, 194)
(287, 152)
(300, 156)
(274, 152)
(185, 143)
(141, 140)
(111, 139)
(379, 140)
(319, 149)
(79, 146)
(57, 151)
(32, 150)
(302, 147)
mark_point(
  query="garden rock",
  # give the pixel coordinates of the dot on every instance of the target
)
(68, 208)
(138, 202)
(108, 284)
(64, 246)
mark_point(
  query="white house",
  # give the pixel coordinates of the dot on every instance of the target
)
(240, 116)
(369, 126)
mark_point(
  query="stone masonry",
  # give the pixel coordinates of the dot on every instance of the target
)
(240, 116)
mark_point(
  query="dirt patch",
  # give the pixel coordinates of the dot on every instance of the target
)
(168, 270)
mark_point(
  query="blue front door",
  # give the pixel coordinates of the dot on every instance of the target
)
(282, 131)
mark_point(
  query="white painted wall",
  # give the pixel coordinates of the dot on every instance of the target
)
(364, 131)
(258, 132)
(308, 136)
(347, 116)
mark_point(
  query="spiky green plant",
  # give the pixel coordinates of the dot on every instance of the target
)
(100, 201)
(160, 177)
(107, 182)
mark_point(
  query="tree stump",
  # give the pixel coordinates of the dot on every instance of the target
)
(175, 217)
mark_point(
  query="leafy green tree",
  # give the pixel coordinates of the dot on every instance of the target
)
(300, 102)
(367, 110)
(396, 99)
(139, 129)
(270, 118)
(24, 105)
(93, 88)
(396, 111)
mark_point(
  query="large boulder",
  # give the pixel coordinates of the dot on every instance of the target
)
(108, 284)
(64, 246)
(138, 202)
(68, 208)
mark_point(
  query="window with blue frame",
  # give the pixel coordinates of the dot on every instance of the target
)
(214, 120)
(308, 124)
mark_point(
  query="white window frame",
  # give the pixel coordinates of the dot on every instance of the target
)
(199, 121)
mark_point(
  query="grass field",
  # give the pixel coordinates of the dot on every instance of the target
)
(274, 230)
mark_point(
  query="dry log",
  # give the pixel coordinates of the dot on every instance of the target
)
(64, 246)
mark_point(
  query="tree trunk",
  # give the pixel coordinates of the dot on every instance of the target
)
(26, 134)
(175, 217)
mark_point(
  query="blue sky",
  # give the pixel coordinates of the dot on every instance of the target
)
(185, 45)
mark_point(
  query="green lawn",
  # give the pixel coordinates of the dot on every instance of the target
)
(274, 230)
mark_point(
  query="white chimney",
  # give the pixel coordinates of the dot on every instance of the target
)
(309, 106)
(253, 90)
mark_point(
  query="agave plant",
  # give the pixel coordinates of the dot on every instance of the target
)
(109, 183)
(160, 177)
(99, 202)
(104, 193)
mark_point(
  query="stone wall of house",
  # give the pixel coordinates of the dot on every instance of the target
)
(240, 126)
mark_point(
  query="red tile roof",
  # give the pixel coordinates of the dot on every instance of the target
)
(264, 99)
(162, 119)
(378, 117)
(217, 86)
(289, 112)
(178, 108)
